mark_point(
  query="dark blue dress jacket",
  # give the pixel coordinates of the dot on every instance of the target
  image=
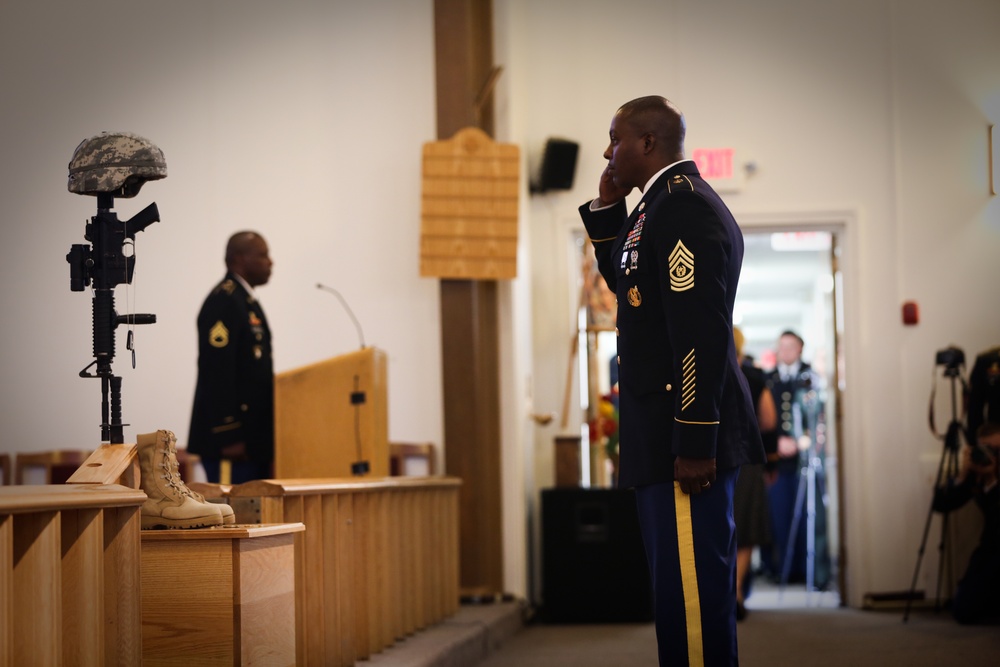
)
(674, 264)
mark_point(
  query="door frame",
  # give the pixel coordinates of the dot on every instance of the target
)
(842, 224)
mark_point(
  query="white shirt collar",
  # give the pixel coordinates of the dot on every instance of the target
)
(659, 173)
(246, 285)
(789, 370)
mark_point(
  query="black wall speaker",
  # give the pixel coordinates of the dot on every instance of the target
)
(594, 567)
(558, 165)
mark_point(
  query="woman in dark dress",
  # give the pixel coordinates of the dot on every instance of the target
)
(750, 499)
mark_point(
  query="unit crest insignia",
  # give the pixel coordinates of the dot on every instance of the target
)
(634, 298)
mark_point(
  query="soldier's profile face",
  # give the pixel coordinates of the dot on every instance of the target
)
(257, 263)
(623, 153)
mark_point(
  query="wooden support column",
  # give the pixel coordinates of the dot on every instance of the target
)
(469, 336)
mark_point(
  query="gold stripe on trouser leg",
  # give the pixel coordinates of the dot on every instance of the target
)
(689, 576)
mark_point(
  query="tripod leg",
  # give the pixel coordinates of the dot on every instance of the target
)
(786, 563)
(810, 527)
(927, 529)
(920, 557)
(942, 557)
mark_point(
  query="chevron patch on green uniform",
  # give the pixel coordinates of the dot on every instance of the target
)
(218, 336)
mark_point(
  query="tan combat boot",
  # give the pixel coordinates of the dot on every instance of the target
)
(228, 515)
(169, 503)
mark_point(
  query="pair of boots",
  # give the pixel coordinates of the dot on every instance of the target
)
(170, 503)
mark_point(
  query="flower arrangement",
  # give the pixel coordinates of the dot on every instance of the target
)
(604, 424)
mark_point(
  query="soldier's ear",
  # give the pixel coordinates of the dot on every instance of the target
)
(648, 143)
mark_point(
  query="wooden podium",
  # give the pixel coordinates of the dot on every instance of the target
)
(330, 415)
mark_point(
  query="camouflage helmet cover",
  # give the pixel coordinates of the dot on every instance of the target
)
(115, 162)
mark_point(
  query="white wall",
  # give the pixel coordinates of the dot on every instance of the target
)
(868, 115)
(302, 119)
(305, 119)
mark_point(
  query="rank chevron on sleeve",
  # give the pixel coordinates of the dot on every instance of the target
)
(681, 268)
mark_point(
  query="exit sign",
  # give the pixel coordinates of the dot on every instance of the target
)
(718, 167)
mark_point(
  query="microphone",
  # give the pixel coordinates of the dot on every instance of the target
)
(357, 324)
(360, 467)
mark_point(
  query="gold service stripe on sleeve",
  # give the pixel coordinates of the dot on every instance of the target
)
(689, 577)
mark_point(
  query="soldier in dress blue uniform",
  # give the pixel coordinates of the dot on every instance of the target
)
(797, 391)
(687, 420)
(233, 414)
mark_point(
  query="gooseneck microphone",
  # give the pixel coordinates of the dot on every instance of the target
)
(357, 397)
(357, 325)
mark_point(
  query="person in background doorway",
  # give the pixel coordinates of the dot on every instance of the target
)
(750, 511)
(797, 394)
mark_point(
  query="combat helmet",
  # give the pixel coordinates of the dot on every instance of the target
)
(115, 162)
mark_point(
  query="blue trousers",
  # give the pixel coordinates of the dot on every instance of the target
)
(690, 543)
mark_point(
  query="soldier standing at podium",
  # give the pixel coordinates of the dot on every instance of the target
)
(233, 413)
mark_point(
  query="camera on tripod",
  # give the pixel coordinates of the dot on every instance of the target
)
(952, 358)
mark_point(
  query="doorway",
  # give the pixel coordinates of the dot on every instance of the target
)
(791, 282)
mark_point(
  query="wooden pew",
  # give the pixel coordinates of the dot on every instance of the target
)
(52, 467)
(70, 575)
(378, 559)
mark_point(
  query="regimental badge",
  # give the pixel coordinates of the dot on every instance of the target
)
(634, 298)
(218, 335)
(681, 268)
(633, 260)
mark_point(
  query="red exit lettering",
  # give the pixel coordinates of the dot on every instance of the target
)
(714, 162)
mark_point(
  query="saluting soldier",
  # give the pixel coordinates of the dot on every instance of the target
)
(233, 414)
(687, 419)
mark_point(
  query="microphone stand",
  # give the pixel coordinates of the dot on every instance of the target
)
(360, 467)
(343, 302)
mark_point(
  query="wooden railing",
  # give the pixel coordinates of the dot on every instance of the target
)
(70, 575)
(378, 559)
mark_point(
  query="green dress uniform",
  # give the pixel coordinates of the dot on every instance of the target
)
(234, 396)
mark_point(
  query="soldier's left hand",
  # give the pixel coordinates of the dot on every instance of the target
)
(694, 475)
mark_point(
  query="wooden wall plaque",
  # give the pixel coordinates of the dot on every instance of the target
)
(469, 208)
